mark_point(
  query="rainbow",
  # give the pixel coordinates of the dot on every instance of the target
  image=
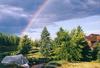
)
(35, 16)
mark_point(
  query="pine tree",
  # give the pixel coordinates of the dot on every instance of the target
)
(36, 43)
(98, 56)
(78, 43)
(45, 47)
(96, 52)
(24, 45)
(62, 43)
(61, 37)
(8, 44)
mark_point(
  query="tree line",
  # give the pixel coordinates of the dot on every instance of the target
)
(8, 44)
(67, 45)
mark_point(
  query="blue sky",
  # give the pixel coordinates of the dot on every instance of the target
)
(16, 14)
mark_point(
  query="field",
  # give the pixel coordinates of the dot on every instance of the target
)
(68, 65)
(64, 64)
(81, 65)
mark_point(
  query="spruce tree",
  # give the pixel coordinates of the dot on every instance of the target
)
(78, 43)
(98, 56)
(45, 47)
(24, 45)
(62, 43)
(96, 52)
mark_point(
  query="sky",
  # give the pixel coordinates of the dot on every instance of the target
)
(22, 17)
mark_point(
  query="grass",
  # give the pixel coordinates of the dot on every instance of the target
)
(64, 64)
(37, 57)
(81, 65)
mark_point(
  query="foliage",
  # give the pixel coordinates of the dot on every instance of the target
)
(68, 45)
(45, 47)
(96, 52)
(25, 45)
(87, 54)
(36, 43)
(62, 43)
(98, 56)
(8, 40)
(84, 51)
(8, 44)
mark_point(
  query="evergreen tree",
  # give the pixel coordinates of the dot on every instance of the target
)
(64, 51)
(8, 44)
(24, 45)
(87, 53)
(61, 37)
(84, 52)
(76, 41)
(45, 47)
(72, 46)
(98, 56)
(96, 52)
(58, 41)
(36, 43)
(76, 44)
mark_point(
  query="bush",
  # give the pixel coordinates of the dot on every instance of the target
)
(2, 55)
(98, 56)
(25, 49)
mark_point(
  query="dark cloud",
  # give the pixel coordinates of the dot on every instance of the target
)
(12, 25)
(58, 10)
(68, 9)
(28, 5)
(55, 10)
(13, 19)
(15, 14)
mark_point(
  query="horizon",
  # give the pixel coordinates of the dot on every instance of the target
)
(29, 17)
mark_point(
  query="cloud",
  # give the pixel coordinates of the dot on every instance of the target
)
(57, 10)
(94, 2)
(6, 10)
(13, 19)
(72, 8)
(12, 25)
(28, 5)
(17, 12)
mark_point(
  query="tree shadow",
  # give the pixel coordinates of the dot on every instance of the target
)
(35, 61)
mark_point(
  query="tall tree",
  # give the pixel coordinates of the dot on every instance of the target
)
(64, 48)
(76, 41)
(24, 45)
(61, 37)
(45, 47)
(71, 44)
(84, 52)
(58, 40)
(8, 44)
(96, 52)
